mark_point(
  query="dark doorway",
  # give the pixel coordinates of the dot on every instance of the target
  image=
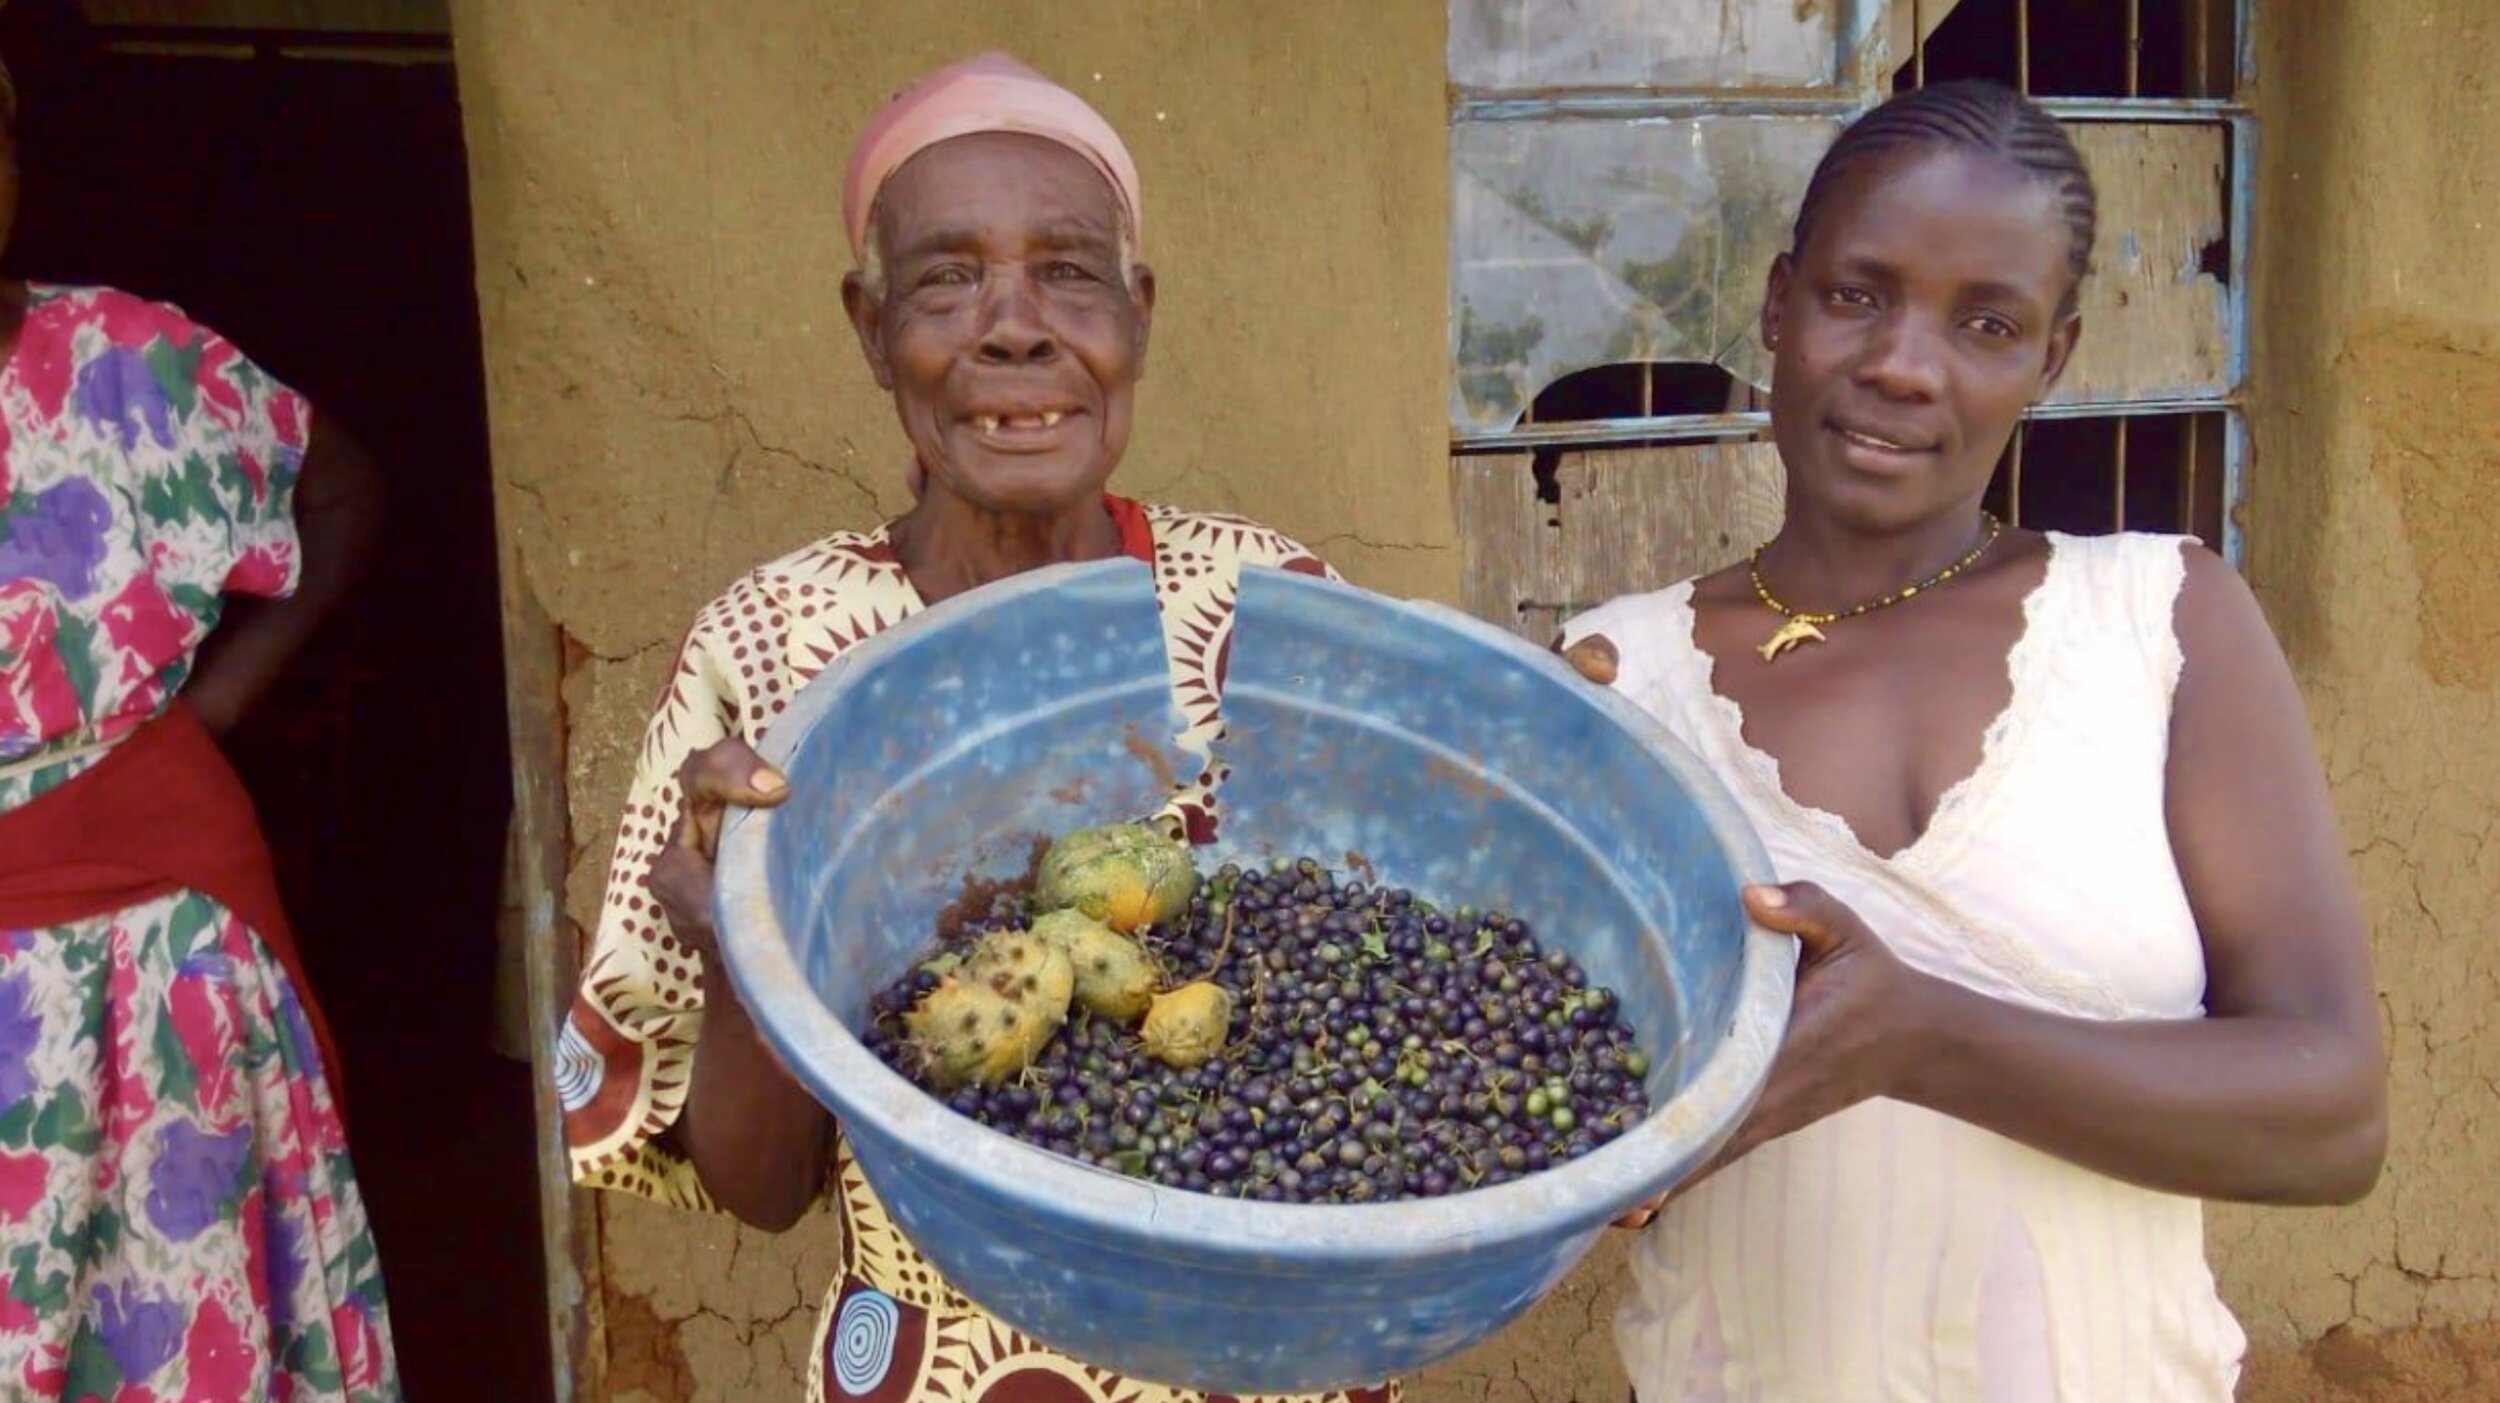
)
(306, 195)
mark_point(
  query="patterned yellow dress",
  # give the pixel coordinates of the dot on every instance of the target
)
(892, 1330)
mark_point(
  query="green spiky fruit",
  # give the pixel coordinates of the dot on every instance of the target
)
(1126, 875)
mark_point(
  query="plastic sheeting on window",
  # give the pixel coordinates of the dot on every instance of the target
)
(1584, 243)
(1517, 45)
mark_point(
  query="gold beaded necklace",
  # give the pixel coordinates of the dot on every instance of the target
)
(1802, 627)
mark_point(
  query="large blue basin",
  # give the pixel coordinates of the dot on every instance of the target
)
(1448, 756)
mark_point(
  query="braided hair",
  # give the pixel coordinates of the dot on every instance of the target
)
(1977, 117)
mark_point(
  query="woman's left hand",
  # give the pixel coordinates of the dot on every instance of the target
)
(1853, 1030)
(1854, 1027)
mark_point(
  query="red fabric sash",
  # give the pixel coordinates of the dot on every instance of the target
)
(163, 812)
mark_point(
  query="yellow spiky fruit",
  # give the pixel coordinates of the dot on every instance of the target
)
(992, 1018)
(1186, 1026)
(1115, 977)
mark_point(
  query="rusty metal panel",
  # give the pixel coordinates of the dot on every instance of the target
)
(2156, 321)
(1584, 243)
(1619, 521)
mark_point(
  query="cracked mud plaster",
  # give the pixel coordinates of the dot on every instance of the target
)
(2430, 394)
(736, 1307)
(2371, 507)
(1561, 1351)
(2458, 1364)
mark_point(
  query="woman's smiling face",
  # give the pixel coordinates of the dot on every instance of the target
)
(1009, 333)
(1926, 309)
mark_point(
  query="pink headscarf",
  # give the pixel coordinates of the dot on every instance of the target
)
(990, 93)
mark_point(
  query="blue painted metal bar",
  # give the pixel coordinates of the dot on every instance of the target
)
(2129, 408)
(2141, 109)
(1643, 105)
(1615, 433)
(2236, 451)
(2244, 36)
(1636, 105)
(2242, 217)
(2237, 447)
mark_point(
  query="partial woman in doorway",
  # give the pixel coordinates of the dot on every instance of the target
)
(179, 1219)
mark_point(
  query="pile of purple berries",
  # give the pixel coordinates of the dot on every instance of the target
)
(1379, 1049)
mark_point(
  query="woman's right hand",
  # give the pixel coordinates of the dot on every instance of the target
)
(758, 1139)
(725, 773)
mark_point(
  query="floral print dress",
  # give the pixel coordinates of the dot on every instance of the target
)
(179, 1222)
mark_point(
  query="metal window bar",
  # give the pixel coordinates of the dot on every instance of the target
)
(1918, 45)
(2118, 494)
(2187, 480)
(2022, 47)
(2014, 475)
(2200, 44)
(2135, 47)
(2239, 208)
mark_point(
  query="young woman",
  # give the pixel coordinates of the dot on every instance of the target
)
(2079, 944)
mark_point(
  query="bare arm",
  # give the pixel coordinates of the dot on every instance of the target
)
(338, 518)
(2278, 1095)
(756, 1137)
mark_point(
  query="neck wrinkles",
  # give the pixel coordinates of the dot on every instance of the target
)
(948, 545)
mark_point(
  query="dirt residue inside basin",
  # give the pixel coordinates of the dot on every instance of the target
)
(1473, 778)
(978, 895)
(1153, 756)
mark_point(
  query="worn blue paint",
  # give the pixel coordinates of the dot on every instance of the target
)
(1449, 756)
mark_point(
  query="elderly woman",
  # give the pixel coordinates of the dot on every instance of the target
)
(178, 1214)
(2080, 945)
(996, 222)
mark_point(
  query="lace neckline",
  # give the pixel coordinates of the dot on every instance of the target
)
(1960, 805)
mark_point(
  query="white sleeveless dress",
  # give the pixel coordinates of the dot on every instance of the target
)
(1891, 1253)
